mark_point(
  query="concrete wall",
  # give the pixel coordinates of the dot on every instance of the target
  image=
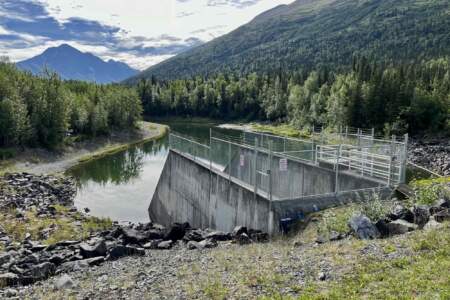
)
(300, 179)
(189, 192)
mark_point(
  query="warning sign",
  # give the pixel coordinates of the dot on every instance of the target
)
(283, 164)
(242, 160)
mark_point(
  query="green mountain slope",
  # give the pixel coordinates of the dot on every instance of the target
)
(310, 33)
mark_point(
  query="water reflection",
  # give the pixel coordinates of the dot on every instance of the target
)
(120, 186)
(120, 168)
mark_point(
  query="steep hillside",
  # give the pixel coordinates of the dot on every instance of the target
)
(310, 33)
(70, 63)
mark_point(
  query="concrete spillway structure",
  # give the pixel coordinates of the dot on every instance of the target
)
(191, 190)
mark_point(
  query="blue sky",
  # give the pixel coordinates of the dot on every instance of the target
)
(138, 32)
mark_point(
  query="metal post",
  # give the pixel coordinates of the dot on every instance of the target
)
(336, 185)
(284, 144)
(346, 132)
(270, 221)
(255, 155)
(391, 158)
(229, 161)
(359, 139)
(373, 137)
(210, 149)
(270, 172)
(405, 159)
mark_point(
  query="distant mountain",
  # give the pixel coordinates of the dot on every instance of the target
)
(71, 63)
(311, 33)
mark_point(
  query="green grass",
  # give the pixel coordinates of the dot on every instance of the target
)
(283, 130)
(424, 275)
(430, 190)
(63, 224)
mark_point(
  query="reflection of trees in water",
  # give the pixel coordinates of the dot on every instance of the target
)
(119, 168)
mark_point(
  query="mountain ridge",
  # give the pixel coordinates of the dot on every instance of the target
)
(309, 34)
(72, 64)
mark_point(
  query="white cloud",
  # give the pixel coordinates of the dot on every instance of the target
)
(166, 25)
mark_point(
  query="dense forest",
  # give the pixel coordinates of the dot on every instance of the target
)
(311, 34)
(43, 111)
(392, 98)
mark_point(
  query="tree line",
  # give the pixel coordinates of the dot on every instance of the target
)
(394, 98)
(44, 110)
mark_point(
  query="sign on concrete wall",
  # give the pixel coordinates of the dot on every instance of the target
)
(283, 164)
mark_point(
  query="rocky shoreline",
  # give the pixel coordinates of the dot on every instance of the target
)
(28, 260)
(433, 154)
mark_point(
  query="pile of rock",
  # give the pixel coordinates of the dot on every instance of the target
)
(22, 191)
(432, 154)
(401, 220)
(29, 261)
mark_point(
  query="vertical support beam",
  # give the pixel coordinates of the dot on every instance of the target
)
(359, 138)
(270, 221)
(255, 157)
(373, 137)
(303, 182)
(391, 159)
(270, 172)
(336, 184)
(210, 149)
(405, 159)
(229, 161)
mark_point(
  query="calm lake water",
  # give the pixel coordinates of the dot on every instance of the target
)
(120, 186)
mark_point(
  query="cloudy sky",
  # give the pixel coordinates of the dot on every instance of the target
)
(138, 32)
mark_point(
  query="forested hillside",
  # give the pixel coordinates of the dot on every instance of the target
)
(309, 34)
(392, 98)
(42, 111)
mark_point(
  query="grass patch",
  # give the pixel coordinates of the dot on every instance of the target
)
(283, 130)
(62, 226)
(430, 190)
(423, 275)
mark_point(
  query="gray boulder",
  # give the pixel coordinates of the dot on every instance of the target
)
(165, 245)
(41, 271)
(439, 205)
(243, 239)
(238, 230)
(191, 245)
(401, 212)
(432, 224)
(132, 236)
(8, 279)
(64, 282)
(421, 215)
(121, 251)
(193, 235)
(209, 243)
(5, 258)
(363, 227)
(218, 236)
(442, 216)
(400, 227)
(152, 244)
(98, 249)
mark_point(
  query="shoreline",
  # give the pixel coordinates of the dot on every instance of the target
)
(42, 161)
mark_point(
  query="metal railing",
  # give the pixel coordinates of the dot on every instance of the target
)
(274, 166)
